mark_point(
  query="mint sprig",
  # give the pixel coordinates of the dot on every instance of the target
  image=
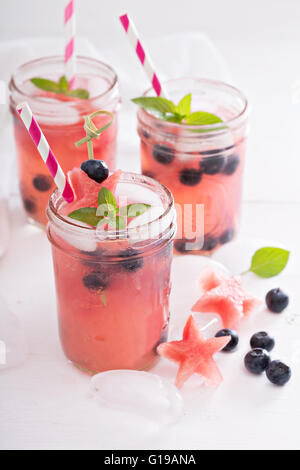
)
(62, 87)
(269, 261)
(108, 212)
(180, 114)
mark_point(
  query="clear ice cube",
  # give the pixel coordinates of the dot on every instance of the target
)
(147, 396)
(12, 339)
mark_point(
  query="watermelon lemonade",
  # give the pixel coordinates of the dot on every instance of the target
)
(201, 164)
(60, 114)
(112, 284)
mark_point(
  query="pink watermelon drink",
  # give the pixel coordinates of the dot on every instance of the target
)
(60, 115)
(112, 285)
(200, 164)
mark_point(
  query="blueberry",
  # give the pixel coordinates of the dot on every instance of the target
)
(226, 236)
(190, 176)
(131, 265)
(145, 134)
(231, 165)
(234, 339)
(183, 245)
(150, 174)
(212, 165)
(180, 246)
(42, 183)
(278, 373)
(30, 206)
(257, 361)
(263, 341)
(96, 281)
(97, 170)
(163, 154)
(210, 243)
(217, 151)
(277, 300)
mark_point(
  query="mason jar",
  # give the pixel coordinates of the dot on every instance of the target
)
(61, 118)
(113, 287)
(201, 165)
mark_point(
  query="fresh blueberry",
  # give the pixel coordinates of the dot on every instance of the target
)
(210, 243)
(150, 174)
(278, 373)
(131, 265)
(190, 176)
(226, 236)
(145, 134)
(263, 341)
(234, 339)
(183, 245)
(163, 154)
(96, 281)
(277, 300)
(42, 183)
(97, 170)
(212, 165)
(180, 245)
(257, 361)
(231, 165)
(30, 206)
(216, 151)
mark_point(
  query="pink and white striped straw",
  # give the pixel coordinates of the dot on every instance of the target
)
(143, 56)
(45, 152)
(70, 28)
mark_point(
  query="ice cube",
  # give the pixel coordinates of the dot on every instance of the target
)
(149, 225)
(12, 339)
(55, 116)
(149, 396)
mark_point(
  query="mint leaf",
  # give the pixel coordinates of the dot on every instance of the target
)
(156, 103)
(117, 222)
(184, 106)
(134, 210)
(176, 118)
(168, 111)
(269, 261)
(202, 118)
(87, 215)
(79, 93)
(105, 197)
(46, 85)
(63, 83)
(61, 87)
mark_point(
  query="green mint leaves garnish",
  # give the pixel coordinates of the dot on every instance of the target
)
(108, 212)
(269, 261)
(180, 114)
(61, 87)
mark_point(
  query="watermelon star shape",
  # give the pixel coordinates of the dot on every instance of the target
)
(194, 354)
(226, 297)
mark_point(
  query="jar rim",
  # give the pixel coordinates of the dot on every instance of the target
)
(85, 230)
(204, 129)
(13, 85)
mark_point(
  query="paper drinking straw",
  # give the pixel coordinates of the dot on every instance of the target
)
(45, 152)
(143, 56)
(70, 56)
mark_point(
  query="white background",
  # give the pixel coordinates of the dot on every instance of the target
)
(260, 40)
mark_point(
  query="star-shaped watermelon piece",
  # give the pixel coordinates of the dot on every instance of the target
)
(194, 354)
(226, 297)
